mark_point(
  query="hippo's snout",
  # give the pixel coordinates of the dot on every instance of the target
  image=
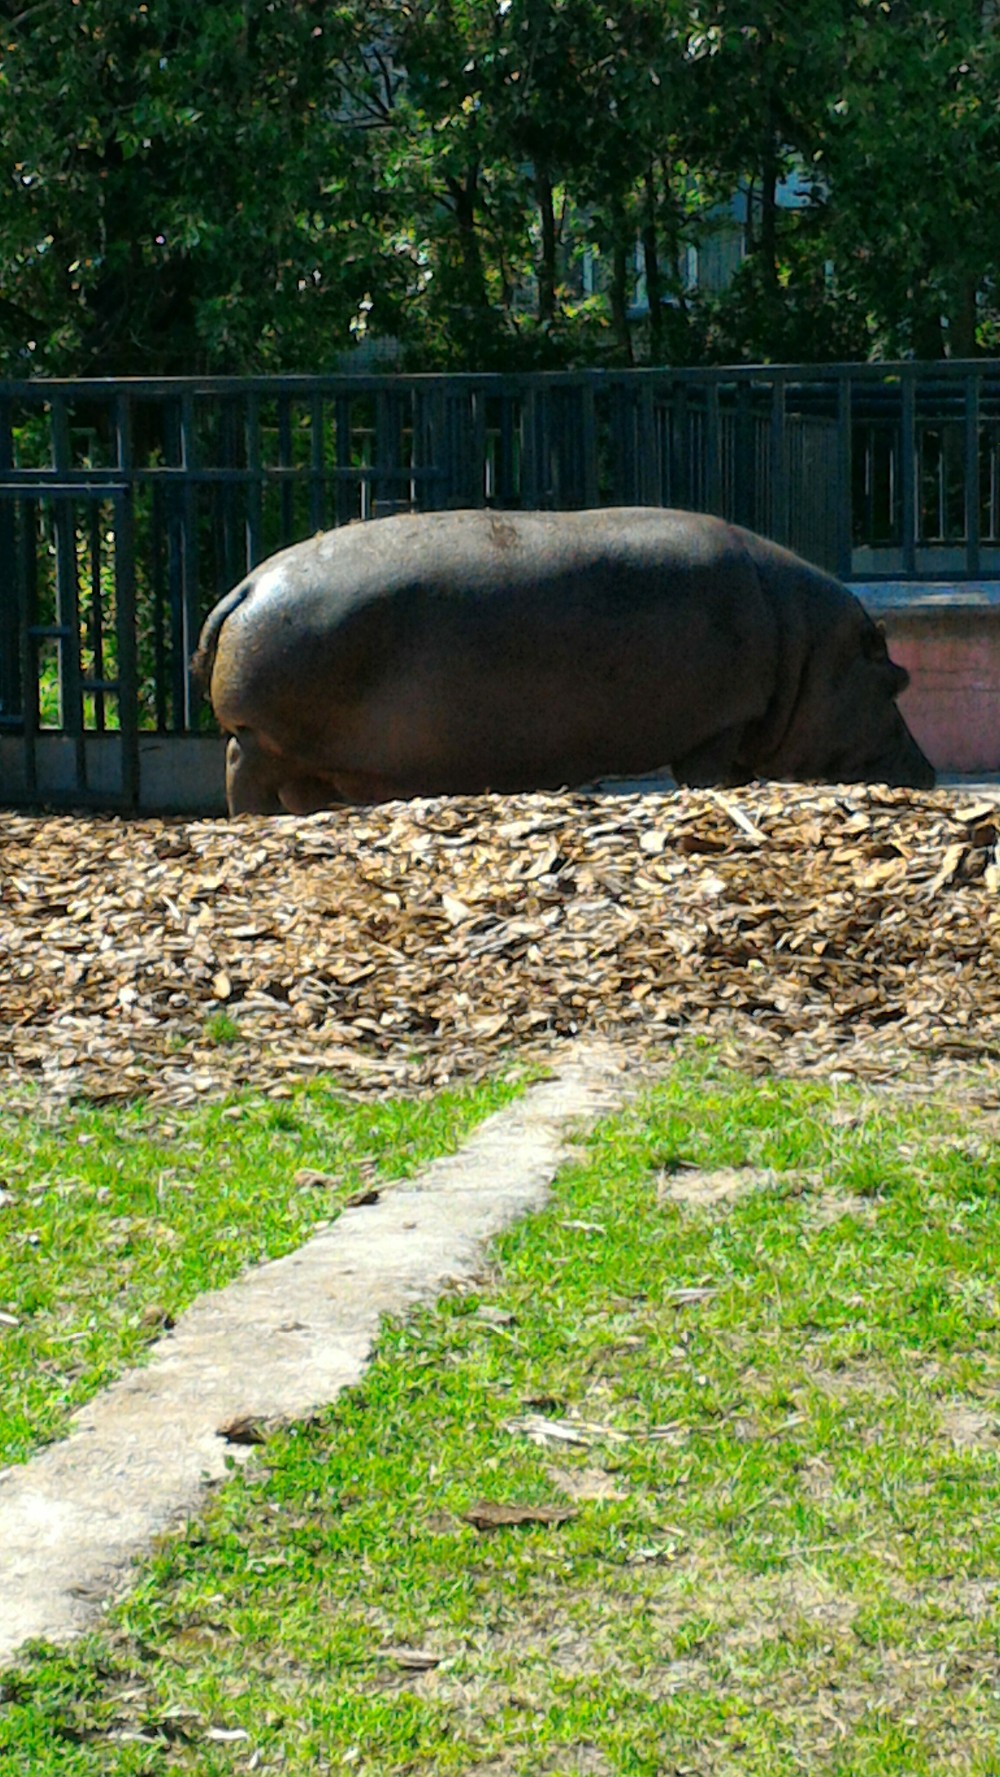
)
(905, 766)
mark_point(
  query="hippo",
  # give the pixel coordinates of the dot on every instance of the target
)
(459, 652)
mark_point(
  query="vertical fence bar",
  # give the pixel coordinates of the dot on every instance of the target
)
(843, 489)
(476, 482)
(780, 507)
(559, 454)
(623, 483)
(28, 582)
(186, 641)
(590, 487)
(67, 596)
(226, 546)
(908, 471)
(126, 615)
(428, 429)
(254, 520)
(175, 498)
(529, 450)
(97, 618)
(743, 467)
(451, 447)
(679, 488)
(713, 459)
(647, 455)
(386, 486)
(11, 689)
(317, 463)
(158, 546)
(971, 457)
(285, 466)
(507, 479)
(345, 498)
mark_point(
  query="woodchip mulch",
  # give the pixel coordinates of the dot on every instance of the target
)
(403, 946)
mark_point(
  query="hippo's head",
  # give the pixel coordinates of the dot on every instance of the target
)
(883, 744)
(875, 745)
(846, 726)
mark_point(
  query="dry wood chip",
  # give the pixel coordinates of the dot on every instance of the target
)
(411, 1659)
(246, 1429)
(489, 1514)
(308, 1179)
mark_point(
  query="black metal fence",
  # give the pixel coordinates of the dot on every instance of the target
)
(128, 507)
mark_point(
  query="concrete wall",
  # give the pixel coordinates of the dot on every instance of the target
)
(948, 638)
(178, 774)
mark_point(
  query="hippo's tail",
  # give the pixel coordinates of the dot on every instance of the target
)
(203, 659)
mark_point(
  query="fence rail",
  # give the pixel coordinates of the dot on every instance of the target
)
(128, 506)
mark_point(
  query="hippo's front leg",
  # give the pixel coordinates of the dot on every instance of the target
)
(716, 762)
(251, 786)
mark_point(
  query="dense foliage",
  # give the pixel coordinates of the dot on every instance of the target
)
(261, 184)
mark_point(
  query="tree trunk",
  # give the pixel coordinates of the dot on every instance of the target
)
(651, 262)
(962, 321)
(547, 263)
(928, 334)
(768, 246)
(619, 280)
(463, 194)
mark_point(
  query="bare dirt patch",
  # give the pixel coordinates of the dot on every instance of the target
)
(825, 1208)
(700, 1190)
(409, 944)
(969, 1428)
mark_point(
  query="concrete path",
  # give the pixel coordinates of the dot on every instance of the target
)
(277, 1344)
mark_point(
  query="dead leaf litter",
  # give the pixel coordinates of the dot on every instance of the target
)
(404, 946)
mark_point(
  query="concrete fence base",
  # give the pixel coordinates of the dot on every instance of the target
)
(178, 773)
(948, 638)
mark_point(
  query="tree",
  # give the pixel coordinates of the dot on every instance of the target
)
(911, 155)
(182, 192)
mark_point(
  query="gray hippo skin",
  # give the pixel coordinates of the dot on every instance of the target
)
(458, 652)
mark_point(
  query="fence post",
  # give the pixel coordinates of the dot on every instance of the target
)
(743, 468)
(317, 463)
(713, 462)
(346, 502)
(625, 491)
(972, 518)
(508, 468)
(779, 519)
(679, 434)
(647, 456)
(388, 493)
(190, 614)
(253, 534)
(125, 608)
(588, 443)
(908, 471)
(844, 490)
(67, 624)
(11, 689)
(530, 477)
(27, 581)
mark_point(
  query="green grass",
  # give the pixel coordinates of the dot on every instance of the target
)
(112, 1221)
(786, 1556)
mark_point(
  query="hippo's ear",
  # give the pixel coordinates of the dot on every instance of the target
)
(873, 643)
